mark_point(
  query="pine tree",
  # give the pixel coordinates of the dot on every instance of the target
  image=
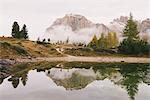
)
(128, 45)
(16, 33)
(114, 40)
(48, 40)
(131, 31)
(109, 40)
(94, 42)
(38, 41)
(132, 43)
(102, 41)
(24, 32)
(44, 40)
(15, 30)
(67, 41)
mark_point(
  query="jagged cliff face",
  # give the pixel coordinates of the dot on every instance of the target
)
(118, 24)
(145, 26)
(102, 28)
(76, 22)
(77, 26)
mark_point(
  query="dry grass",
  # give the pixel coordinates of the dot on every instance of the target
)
(32, 48)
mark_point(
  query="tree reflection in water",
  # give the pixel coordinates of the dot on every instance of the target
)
(80, 74)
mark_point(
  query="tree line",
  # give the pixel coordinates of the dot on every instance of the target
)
(131, 44)
(105, 41)
(17, 33)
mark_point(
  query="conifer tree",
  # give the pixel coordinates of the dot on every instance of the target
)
(132, 43)
(16, 33)
(114, 40)
(38, 41)
(102, 41)
(15, 30)
(109, 40)
(24, 32)
(44, 40)
(131, 31)
(48, 39)
(94, 42)
(67, 41)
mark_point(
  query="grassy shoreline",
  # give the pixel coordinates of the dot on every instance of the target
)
(81, 59)
(26, 50)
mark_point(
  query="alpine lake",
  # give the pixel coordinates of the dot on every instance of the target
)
(75, 81)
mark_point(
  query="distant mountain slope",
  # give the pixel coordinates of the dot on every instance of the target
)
(118, 25)
(79, 28)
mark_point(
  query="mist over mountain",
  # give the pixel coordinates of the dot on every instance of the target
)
(80, 29)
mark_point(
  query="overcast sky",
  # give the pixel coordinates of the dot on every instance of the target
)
(39, 14)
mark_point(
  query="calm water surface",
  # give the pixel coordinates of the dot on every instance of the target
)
(75, 81)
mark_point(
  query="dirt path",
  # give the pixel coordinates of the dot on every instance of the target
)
(66, 55)
(70, 58)
(89, 59)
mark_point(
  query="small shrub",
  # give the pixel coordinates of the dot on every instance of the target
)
(20, 50)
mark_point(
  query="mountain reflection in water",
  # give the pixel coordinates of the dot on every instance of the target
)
(78, 75)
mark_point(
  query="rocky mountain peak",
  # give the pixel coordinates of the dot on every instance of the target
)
(145, 26)
(75, 21)
(122, 19)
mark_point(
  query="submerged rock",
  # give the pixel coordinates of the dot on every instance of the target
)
(5, 67)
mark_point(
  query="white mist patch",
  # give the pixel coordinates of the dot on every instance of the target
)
(58, 73)
(61, 33)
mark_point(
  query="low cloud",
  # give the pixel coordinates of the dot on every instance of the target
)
(61, 33)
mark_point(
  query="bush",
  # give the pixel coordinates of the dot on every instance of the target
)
(105, 51)
(42, 42)
(39, 42)
(134, 47)
(20, 50)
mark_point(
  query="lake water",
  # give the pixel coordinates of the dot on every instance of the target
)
(75, 81)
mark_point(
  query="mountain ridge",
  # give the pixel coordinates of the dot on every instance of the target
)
(81, 27)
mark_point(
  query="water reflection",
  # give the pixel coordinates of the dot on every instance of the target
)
(72, 79)
(77, 75)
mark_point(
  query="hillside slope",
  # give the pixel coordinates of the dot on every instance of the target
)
(14, 48)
